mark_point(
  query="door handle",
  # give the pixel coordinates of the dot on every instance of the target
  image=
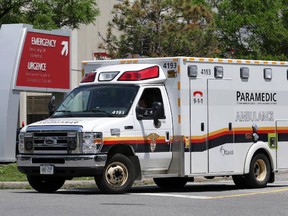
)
(167, 137)
(202, 126)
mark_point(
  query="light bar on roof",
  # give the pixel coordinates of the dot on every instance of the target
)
(107, 76)
(90, 77)
(144, 74)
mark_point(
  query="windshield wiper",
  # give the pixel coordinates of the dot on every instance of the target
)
(62, 111)
(100, 111)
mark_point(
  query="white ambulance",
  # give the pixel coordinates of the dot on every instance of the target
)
(169, 119)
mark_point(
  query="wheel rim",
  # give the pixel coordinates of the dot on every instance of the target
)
(116, 174)
(260, 170)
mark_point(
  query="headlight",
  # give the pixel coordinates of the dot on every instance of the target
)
(92, 142)
(25, 142)
(21, 143)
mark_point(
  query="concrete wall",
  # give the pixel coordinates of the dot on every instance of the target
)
(85, 40)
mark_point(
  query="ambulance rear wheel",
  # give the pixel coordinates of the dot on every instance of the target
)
(260, 171)
(118, 175)
(171, 183)
(44, 184)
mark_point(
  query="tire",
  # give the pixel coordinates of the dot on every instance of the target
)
(171, 183)
(118, 175)
(45, 184)
(239, 181)
(260, 172)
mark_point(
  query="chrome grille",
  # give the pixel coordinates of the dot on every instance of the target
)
(54, 139)
(50, 141)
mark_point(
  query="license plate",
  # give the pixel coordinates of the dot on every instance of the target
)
(46, 169)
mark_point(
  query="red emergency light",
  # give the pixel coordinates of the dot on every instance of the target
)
(147, 73)
(90, 77)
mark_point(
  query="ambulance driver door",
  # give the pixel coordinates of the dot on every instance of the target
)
(154, 127)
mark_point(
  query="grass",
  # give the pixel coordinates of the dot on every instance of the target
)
(9, 172)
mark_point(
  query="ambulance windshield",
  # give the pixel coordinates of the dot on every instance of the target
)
(98, 101)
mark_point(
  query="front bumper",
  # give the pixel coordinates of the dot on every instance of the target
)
(64, 165)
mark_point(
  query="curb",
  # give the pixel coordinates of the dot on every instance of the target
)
(69, 184)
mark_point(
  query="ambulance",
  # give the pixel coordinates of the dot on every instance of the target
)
(170, 119)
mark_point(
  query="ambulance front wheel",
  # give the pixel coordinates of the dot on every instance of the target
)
(45, 184)
(118, 175)
(260, 171)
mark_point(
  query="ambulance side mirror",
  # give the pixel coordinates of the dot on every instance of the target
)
(139, 112)
(157, 108)
(51, 106)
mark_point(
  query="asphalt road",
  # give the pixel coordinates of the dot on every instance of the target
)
(199, 198)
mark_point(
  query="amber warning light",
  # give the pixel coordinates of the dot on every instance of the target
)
(147, 73)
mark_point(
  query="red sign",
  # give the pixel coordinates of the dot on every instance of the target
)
(45, 62)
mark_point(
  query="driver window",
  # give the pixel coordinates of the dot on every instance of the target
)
(148, 97)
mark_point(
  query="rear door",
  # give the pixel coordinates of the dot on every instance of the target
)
(198, 126)
(220, 129)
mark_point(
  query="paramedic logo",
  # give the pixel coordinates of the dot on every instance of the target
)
(153, 137)
(256, 98)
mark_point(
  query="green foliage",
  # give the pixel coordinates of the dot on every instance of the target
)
(254, 29)
(162, 28)
(251, 29)
(10, 10)
(248, 29)
(48, 14)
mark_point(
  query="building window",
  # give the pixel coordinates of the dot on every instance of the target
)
(37, 108)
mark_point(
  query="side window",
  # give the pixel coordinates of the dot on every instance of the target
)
(148, 97)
